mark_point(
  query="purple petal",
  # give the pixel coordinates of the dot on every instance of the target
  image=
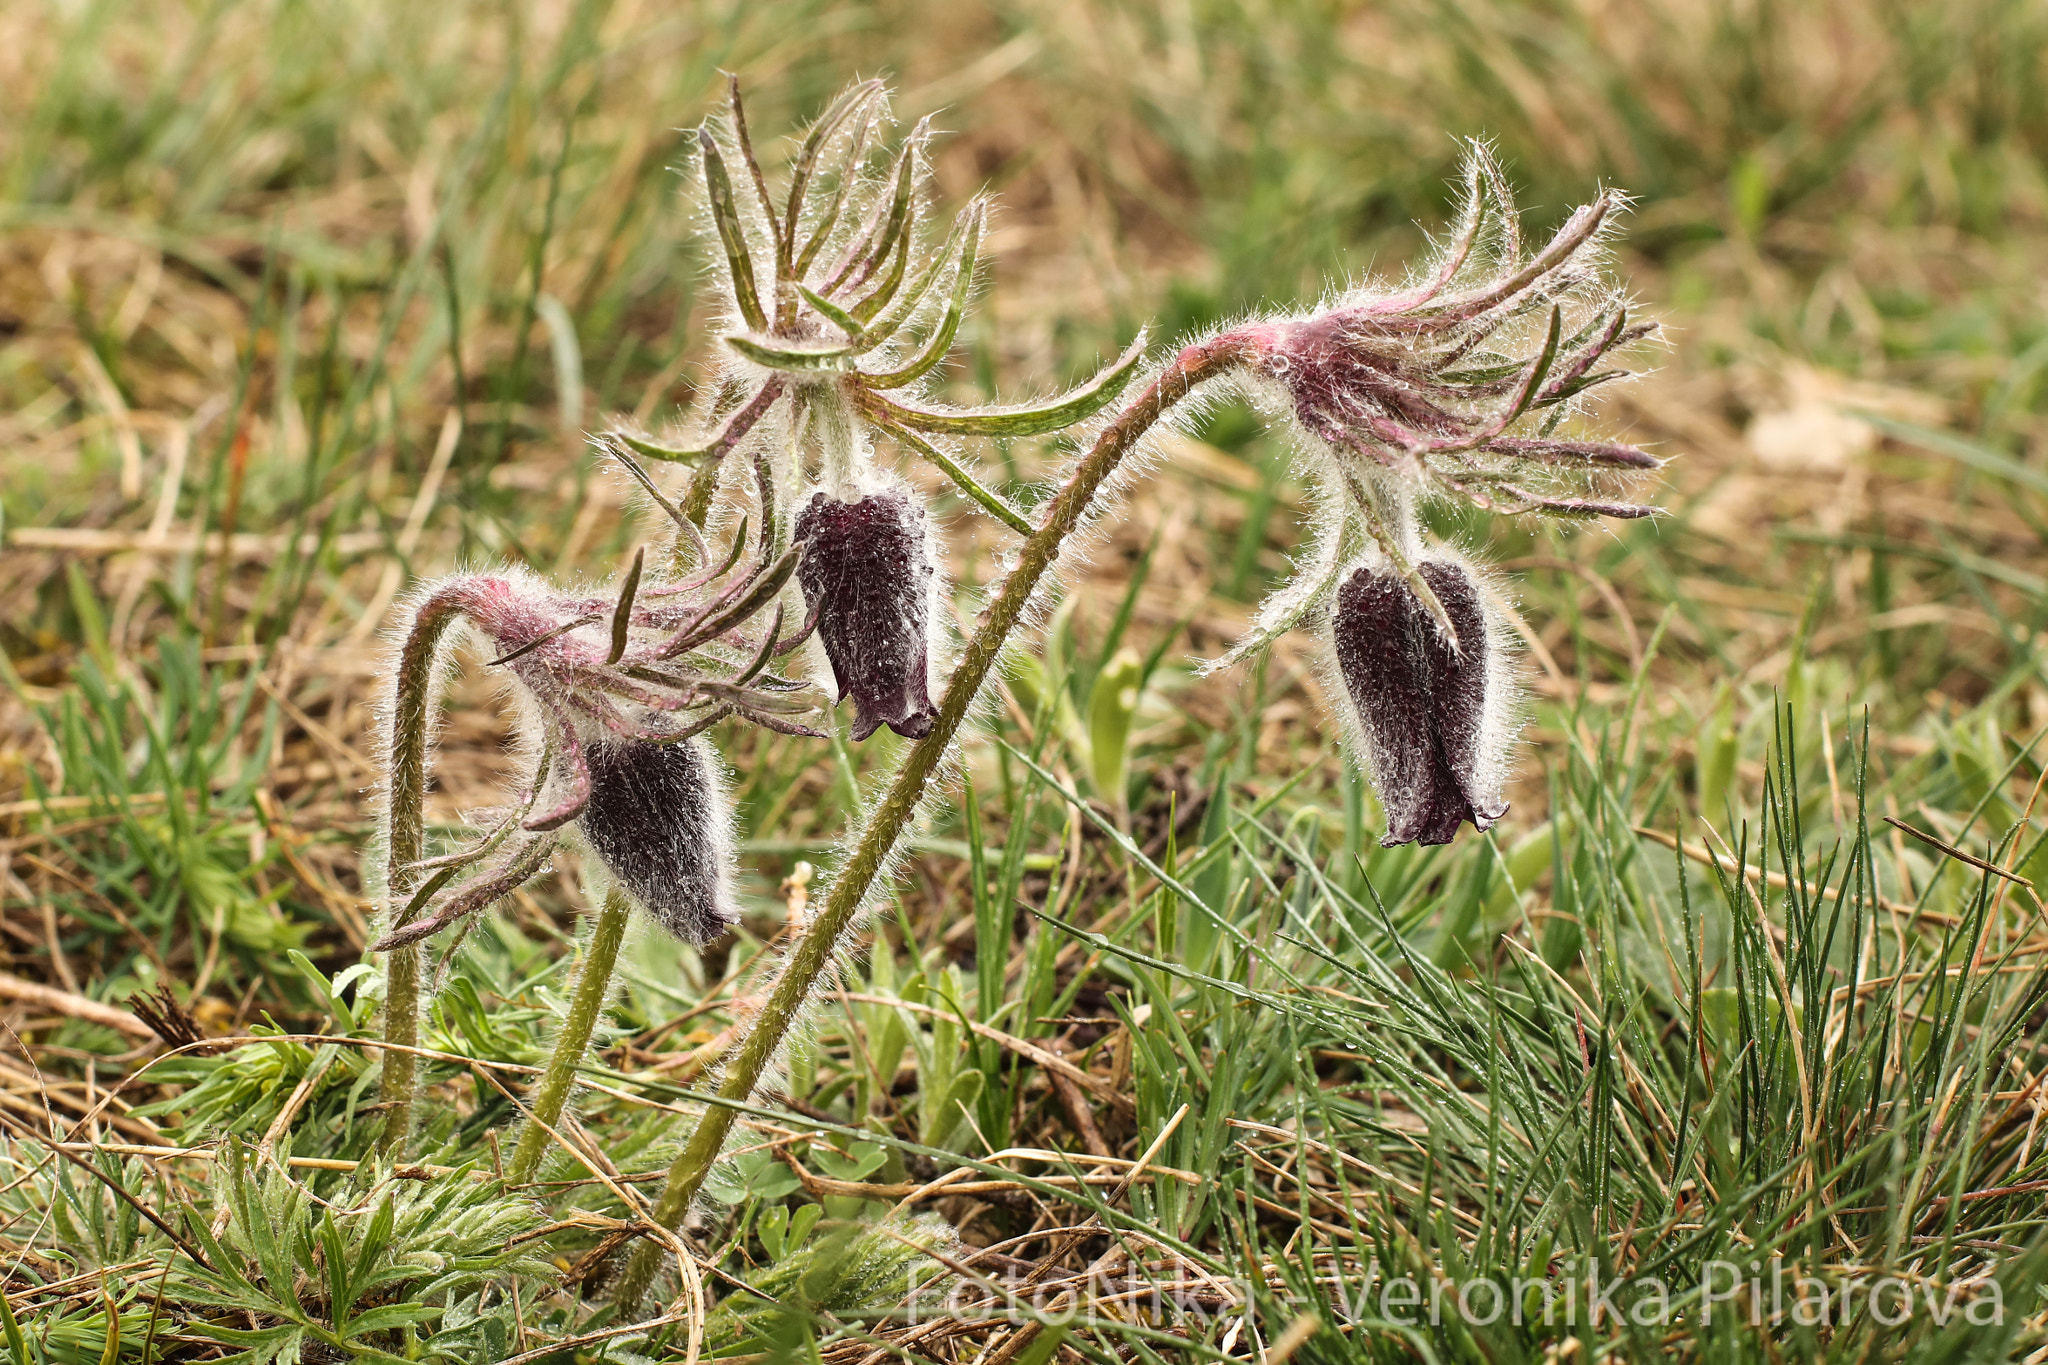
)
(1420, 704)
(1458, 687)
(867, 576)
(657, 820)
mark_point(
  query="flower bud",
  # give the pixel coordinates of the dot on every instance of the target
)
(657, 818)
(1424, 705)
(867, 576)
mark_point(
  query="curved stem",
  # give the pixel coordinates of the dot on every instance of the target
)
(405, 835)
(876, 845)
(593, 982)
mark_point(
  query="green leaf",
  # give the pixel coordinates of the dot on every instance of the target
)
(1979, 457)
(1110, 711)
(654, 450)
(1537, 372)
(897, 230)
(801, 1224)
(952, 1110)
(831, 312)
(392, 1316)
(17, 1345)
(622, 614)
(770, 1227)
(341, 1292)
(1042, 1346)
(92, 622)
(855, 98)
(1026, 419)
(375, 1240)
(987, 499)
(897, 315)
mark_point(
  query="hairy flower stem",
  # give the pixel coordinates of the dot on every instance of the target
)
(405, 834)
(593, 982)
(885, 826)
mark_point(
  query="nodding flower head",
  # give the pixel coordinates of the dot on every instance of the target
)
(841, 305)
(867, 577)
(619, 690)
(1458, 382)
(1453, 386)
(659, 821)
(1429, 707)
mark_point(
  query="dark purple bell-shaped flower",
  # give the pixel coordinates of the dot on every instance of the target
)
(867, 575)
(657, 818)
(1422, 706)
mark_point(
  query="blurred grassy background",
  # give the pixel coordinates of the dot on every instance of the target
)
(301, 301)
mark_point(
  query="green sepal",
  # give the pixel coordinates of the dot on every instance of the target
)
(795, 359)
(718, 188)
(941, 339)
(1027, 419)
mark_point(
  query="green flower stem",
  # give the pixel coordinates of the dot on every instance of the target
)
(411, 730)
(600, 956)
(884, 829)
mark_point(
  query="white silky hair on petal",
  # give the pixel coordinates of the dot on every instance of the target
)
(1503, 718)
(660, 819)
(864, 480)
(1500, 719)
(1354, 737)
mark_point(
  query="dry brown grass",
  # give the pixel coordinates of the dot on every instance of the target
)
(158, 394)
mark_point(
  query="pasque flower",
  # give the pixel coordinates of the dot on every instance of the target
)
(1427, 706)
(841, 308)
(619, 691)
(1456, 385)
(658, 820)
(839, 313)
(867, 575)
